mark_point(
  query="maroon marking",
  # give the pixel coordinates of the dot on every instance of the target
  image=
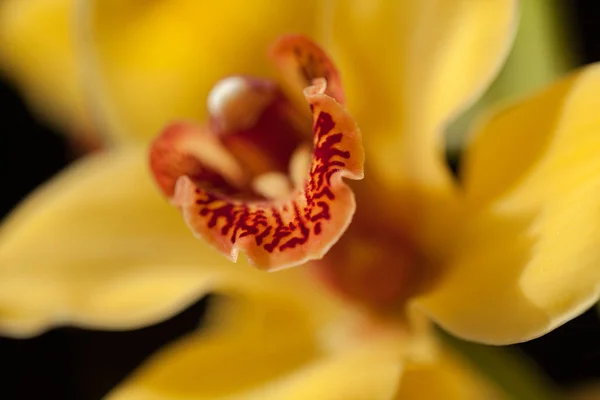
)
(269, 144)
(264, 221)
(303, 61)
(304, 231)
(218, 202)
(263, 235)
(317, 229)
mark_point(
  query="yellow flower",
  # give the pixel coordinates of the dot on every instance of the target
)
(504, 255)
(402, 90)
(134, 263)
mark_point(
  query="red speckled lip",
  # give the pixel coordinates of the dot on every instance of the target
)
(288, 230)
(302, 227)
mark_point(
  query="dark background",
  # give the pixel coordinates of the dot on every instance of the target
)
(78, 364)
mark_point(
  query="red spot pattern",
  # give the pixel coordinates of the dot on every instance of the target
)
(209, 176)
(304, 225)
(273, 228)
(301, 60)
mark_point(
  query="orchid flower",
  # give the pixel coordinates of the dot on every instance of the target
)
(502, 255)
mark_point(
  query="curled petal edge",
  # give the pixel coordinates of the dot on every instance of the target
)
(304, 225)
(299, 61)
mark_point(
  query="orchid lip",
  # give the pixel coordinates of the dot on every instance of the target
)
(254, 197)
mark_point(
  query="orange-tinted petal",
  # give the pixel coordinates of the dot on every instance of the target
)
(305, 224)
(300, 61)
(178, 152)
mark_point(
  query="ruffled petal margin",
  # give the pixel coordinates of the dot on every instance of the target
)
(280, 233)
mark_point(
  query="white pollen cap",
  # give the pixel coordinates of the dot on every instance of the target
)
(236, 102)
(225, 91)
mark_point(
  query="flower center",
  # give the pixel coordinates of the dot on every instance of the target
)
(252, 119)
(247, 180)
(264, 177)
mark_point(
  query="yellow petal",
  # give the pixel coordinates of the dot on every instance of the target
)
(361, 374)
(446, 377)
(157, 61)
(287, 361)
(541, 53)
(37, 53)
(527, 258)
(283, 362)
(99, 247)
(410, 66)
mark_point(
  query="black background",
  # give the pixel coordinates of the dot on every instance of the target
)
(71, 363)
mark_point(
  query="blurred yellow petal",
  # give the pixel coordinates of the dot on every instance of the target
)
(409, 67)
(99, 247)
(287, 361)
(37, 54)
(529, 253)
(542, 52)
(361, 374)
(161, 56)
(157, 61)
(446, 377)
(282, 362)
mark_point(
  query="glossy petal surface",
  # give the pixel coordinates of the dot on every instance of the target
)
(526, 259)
